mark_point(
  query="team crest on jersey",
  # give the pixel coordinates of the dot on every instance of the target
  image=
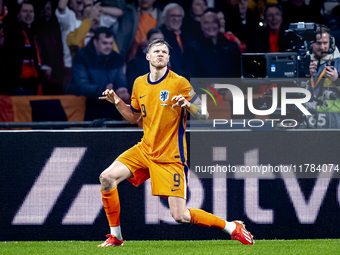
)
(164, 95)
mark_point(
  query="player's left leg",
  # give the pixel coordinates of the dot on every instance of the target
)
(131, 165)
(109, 180)
(201, 218)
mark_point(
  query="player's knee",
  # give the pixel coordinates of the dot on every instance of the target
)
(179, 217)
(106, 182)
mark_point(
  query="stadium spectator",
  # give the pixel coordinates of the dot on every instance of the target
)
(69, 14)
(49, 37)
(245, 26)
(138, 18)
(22, 54)
(140, 65)
(173, 15)
(184, 3)
(230, 10)
(110, 11)
(211, 55)
(94, 16)
(191, 26)
(97, 67)
(228, 34)
(78, 38)
(272, 38)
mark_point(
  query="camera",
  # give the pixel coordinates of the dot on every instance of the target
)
(290, 68)
(329, 95)
(262, 68)
(271, 67)
(330, 63)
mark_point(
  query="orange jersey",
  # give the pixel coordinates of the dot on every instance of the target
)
(164, 126)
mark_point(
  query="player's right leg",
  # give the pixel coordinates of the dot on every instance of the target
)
(202, 218)
(109, 180)
(113, 175)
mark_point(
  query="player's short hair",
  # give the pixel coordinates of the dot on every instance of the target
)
(102, 30)
(158, 41)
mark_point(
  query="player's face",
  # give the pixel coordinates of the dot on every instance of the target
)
(273, 18)
(173, 19)
(26, 14)
(321, 46)
(158, 56)
(210, 25)
(104, 45)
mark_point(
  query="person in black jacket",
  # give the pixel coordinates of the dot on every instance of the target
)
(245, 26)
(191, 22)
(22, 54)
(173, 16)
(211, 55)
(97, 67)
(272, 38)
(49, 37)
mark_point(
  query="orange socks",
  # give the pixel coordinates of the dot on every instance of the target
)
(198, 217)
(203, 219)
(112, 206)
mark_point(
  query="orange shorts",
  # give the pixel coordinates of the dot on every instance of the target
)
(167, 179)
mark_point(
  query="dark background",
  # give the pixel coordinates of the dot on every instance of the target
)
(24, 154)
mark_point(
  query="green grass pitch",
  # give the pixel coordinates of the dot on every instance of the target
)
(276, 247)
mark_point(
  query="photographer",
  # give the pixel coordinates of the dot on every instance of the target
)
(325, 83)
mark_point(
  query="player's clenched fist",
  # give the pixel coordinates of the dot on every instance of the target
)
(181, 102)
(110, 96)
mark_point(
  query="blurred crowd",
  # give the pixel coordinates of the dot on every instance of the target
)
(82, 47)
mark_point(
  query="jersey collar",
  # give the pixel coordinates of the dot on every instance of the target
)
(160, 80)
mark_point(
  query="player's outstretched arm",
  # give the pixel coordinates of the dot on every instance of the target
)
(123, 108)
(195, 108)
